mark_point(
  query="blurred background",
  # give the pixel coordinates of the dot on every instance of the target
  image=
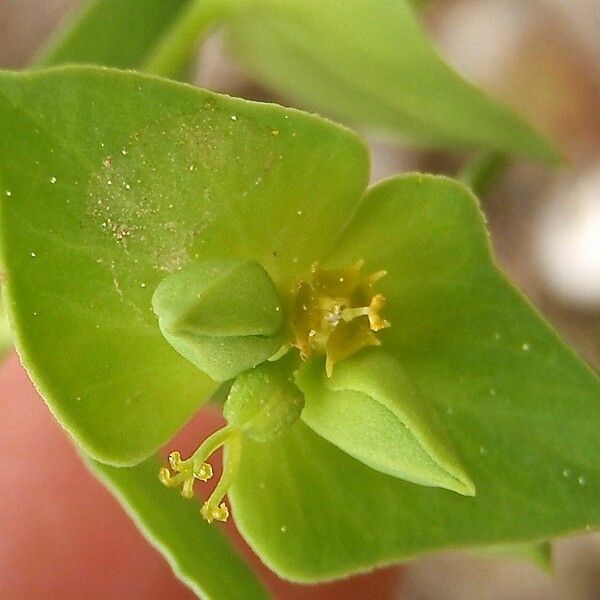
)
(540, 56)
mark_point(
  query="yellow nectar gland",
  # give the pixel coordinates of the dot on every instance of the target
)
(186, 472)
(336, 312)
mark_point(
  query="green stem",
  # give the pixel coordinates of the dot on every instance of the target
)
(481, 173)
(176, 45)
(231, 460)
(211, 444)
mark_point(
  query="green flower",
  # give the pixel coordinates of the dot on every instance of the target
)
(344, 449)
(228, 317)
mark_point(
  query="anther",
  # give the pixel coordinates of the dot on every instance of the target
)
(186, 472)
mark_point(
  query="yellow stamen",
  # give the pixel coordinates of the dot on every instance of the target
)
(335, 312)
(214, 513)
(186, 471)
(196, 468)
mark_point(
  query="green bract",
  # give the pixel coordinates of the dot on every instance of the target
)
(119, 182)
(123, 202)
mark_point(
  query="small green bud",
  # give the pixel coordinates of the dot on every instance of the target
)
(370, 409)
(223, 316)
(264, 401)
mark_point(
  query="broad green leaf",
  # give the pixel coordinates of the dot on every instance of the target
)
(115, 33)
(365, 62)
(370, 409)
(369, 66)
(368, 62)
(117, 180)
(520, 409)
(199, 554)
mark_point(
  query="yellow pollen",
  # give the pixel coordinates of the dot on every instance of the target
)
(212, 513)
(336, 312)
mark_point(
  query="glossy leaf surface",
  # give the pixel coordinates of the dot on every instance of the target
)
(103, 208)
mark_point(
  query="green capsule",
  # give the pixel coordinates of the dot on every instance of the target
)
(264, 401)
(370, 409)
(223, 316)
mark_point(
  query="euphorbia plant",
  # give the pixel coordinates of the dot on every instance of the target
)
(387, 392)
(249, 226)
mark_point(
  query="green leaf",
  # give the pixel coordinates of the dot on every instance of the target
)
(115, 33)
(365, 62)
(371, 410)
(369, 63)
(224, 316)
(520, 409)
(199, 554)
(117, 180)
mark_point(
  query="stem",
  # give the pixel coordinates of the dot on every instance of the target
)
(212, 443)
(231, 460)
(481, 173)
(177, 44)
